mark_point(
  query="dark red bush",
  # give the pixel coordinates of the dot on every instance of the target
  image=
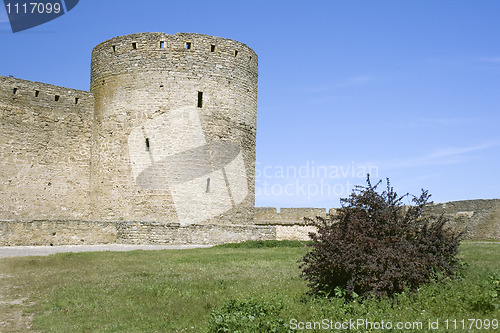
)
(377, 246)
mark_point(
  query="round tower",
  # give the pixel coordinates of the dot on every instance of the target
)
(174, 129)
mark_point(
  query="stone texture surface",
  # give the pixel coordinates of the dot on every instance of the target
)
(54, 233)
(44, 151)
(174, 129)
(479, 219)
(57, 232)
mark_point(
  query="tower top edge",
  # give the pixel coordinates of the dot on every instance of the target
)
(141, 36)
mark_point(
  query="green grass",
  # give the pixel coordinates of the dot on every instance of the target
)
(191, 290)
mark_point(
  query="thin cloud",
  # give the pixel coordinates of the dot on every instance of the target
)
(431, 122)
(490, 59)
(359, 80)
(348, 82)
(451, 155)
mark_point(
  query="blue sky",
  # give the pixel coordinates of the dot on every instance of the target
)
(408, 90)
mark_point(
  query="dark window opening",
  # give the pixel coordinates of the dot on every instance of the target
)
(147, 144)
(37, 93)
(14, 91)
(208, 185)
(134, 46)
(188, 45)
(235, 53)
(114, 48)
(161, 85)
(250, 57)
(212, 48)
(56, 98)
(162, 45)
(76, 100)
(200, 99)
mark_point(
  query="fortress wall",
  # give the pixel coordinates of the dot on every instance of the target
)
(174, 233)
(70, 232)
(44, 151)
(479, 219)
(287, 216)
(289, 222)
(57, 232)
(175, 129)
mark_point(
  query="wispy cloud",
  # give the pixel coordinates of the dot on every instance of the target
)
(359, 80)
(450, 155)
(431, 122)
(353, 81)
(490, 59)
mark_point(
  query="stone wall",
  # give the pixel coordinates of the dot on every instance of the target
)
(70, 232)
(479, 219)
(44, 151)
(57, 232)
(289, 222)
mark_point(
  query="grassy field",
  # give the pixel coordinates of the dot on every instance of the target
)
(222, 287)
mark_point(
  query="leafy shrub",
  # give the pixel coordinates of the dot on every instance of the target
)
(489, 300)
(248, 316)
(377, 246)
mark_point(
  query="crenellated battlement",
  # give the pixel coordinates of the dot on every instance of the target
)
(188, 53)
(21, 92)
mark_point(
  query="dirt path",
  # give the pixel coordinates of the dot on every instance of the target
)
(23, 251)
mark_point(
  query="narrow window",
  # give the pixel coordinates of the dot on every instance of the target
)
(14, 91)
(147, 144)
(188, 45)
(76, 100)
(161, 85)
(200, 99)
(37, 93)
(250, 57)
(235, 53)
(212, 48)
(162, 45)
(56, 98)
(208, 185)
(134, 46)
(114, 48)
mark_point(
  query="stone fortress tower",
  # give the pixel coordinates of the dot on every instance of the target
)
(174, 129)
(161, 150)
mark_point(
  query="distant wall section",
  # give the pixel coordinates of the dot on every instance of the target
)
(44, 150)
(478, 219)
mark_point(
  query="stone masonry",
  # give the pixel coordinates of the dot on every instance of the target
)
(165, 137)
